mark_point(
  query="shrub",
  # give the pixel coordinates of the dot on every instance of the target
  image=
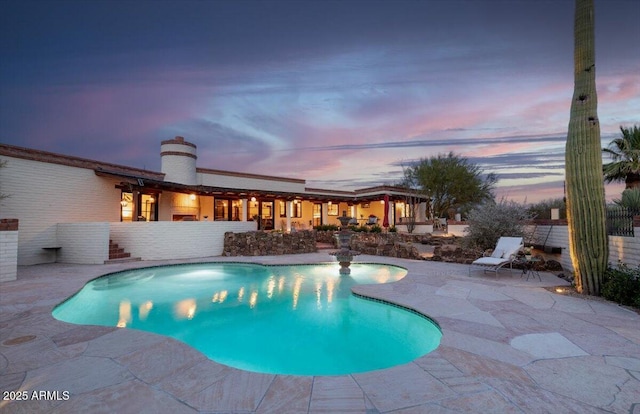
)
(630, 199)
(542, 209)
(393, 229)
(376, 229)
(326, 227)
(622, 285)
(490, 221)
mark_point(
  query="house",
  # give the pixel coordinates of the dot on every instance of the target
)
(70, 208)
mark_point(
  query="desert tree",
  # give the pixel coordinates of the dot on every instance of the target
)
(450, 182)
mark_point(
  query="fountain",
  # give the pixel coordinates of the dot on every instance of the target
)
(345, 254)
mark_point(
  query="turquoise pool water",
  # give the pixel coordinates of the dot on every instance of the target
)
(298, 320)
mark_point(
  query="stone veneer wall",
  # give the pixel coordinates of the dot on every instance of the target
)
(327, 236)
(387, 244)
(413, 246)
(8, 249)
(263, 243)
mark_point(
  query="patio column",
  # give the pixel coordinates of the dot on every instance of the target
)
(245, 203)
(392, 213)
(325, 213)
(288, 208)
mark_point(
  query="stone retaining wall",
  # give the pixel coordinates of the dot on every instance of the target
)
(327, 237)
(413, 246)
(384, 244)
(262, 243)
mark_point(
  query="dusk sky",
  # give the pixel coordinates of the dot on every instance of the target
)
(340, 93)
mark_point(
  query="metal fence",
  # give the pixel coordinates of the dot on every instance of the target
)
(620, 221)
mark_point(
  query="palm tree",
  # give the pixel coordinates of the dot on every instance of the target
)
(625, 153)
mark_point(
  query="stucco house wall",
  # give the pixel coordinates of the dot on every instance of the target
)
(44, 194)
(83, 243)
(8, 249)
(238, 180)
(176, 240)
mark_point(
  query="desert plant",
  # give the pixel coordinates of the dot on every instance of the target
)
(622, 285)
(450, 181)
(542, 209)
(630, 199)
(588, 243)
(326, 227)
(359, 229)
(490, 221)
(412, 199)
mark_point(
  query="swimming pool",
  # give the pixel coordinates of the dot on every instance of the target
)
(298, 320)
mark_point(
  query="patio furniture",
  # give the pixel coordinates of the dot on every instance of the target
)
(529, 267)
(373, 220)
(504, 253)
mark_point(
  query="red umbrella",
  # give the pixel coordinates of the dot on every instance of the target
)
(385, 222)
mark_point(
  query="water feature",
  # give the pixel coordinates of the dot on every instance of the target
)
(345, 254)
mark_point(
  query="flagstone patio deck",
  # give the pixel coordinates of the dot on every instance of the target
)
(508, 346)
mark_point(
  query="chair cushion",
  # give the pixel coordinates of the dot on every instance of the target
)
(497, 253)
(490, 261)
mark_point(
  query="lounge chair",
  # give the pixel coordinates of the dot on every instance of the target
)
(373, 220)
(505, 253)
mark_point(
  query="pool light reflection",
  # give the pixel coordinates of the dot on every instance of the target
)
(144, 309)
(124, 313)
(185, 308)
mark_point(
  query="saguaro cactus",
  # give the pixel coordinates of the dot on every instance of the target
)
(588, 242)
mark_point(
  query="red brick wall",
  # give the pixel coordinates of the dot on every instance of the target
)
(9, 225)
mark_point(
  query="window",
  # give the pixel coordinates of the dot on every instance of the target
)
(221, 210)
(332, 209)
(252, 211)
(317, 214)
(296, 207)
(236, 210)
(126, 207)
(266, 210)
(148, 208)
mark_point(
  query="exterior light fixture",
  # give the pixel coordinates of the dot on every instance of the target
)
(192, 197)
(253, 199)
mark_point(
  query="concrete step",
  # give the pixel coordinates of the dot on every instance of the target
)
(123, 260)
(121, 255)
(116, 252)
